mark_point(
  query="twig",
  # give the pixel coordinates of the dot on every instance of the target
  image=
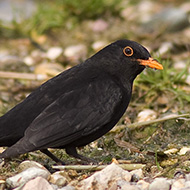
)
(98, 167)
(26, 76)
(134, 126)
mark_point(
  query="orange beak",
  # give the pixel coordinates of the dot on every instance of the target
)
(152, 63)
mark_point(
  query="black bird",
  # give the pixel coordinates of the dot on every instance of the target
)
(77, 106)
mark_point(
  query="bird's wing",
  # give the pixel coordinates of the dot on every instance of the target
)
(75, 114)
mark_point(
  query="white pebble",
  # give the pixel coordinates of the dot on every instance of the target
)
(27, 175)
(171, 151)
(28, 61)
(75, 50)
(38, 183)
(54, 52)
(160, 183)
(165, 47)
(96, 46)
(184, 150)
(146, 115)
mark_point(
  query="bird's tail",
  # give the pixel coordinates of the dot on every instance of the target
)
(17, 149)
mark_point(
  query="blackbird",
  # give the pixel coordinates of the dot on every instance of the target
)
(77, 106)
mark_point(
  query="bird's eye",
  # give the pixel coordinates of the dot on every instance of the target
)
(128, 51)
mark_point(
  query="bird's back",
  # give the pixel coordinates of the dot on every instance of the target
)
(14, 123)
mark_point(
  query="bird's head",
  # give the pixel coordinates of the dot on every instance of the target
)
(134, 52)
(127, 58)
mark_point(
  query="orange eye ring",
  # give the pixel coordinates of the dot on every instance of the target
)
(128, 51)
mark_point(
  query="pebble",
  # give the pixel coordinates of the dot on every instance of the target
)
(180, 65)
(104, 178)
(138, 173)
(187, 184)
(75, 53)
(29, 164)
(187, 177)
(99, 25)
(26, 176)
(143, 184)
(184, 150)
(146, 115)
(160, 183)
(178, 184)
(98, 45)
(58, 179)
(165, 47)
(54, 52)
(28, 60)
(39, 183)
(171, 151)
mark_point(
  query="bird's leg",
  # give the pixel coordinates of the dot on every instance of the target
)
(53, 157)
(73, 152)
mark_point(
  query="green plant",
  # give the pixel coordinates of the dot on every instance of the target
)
(168, 82)
(63, 14)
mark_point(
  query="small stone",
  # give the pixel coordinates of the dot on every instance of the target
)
(160, 183)
(29, 164)
(180, 183)
(58, 179)
(2, 181)
(28, 61)
(102, 179)
(187, 184)
(169, 162)
(171, 151)
(99, 25)
(138, 173)
(38, 183)
(54, 52)
(146, 115)
(75, 53)
(187, 177)
(38, 55)
(27, 175)
(180, 65)
(98, 45)
(165, 47)
(184, 150)
(143, 185)
(163, 100)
